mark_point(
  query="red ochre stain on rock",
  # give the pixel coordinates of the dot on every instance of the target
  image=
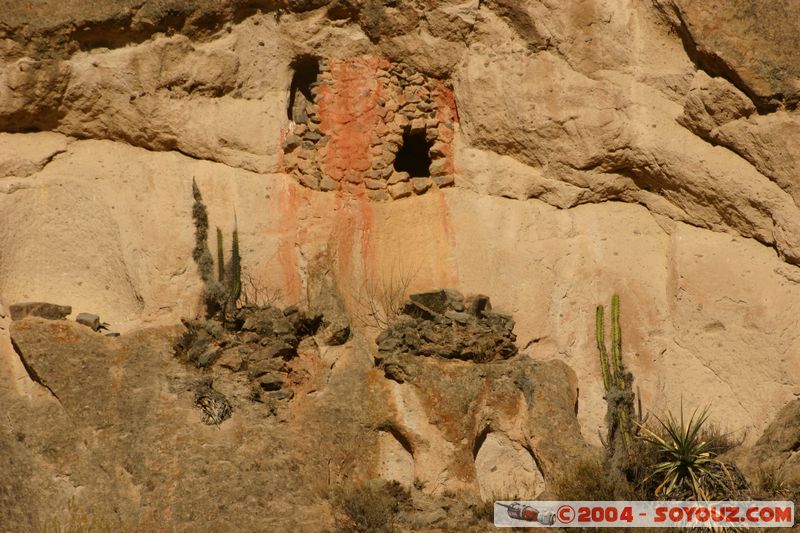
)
(348, 115)
(289, 201)
(354, 223)
(446, 112)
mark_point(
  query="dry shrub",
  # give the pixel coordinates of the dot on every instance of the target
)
(370, 507)
(771, 483)
(256, 294)
(588, 479)
(380, 300)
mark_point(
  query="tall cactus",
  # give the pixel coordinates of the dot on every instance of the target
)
(616, 343)
(222, 293)
(235, 268)
(616, 381)
(600, 334)
(220, 257)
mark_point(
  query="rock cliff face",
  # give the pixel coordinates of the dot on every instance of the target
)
(545, 153)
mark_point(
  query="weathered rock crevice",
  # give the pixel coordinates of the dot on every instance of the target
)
(32, 372)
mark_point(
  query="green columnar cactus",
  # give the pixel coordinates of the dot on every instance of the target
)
(616, 342)
(616, 382)
(600, 334)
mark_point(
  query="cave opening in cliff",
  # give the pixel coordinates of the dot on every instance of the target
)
(306, 72)
(414, 156)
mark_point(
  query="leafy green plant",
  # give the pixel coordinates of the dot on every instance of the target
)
(686, 457)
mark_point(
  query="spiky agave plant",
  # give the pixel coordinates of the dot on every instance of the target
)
(687, 458)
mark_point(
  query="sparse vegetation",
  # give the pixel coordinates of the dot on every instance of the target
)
(687, 462)
(617, 383)
(256, 294)
(213, 293)
(370, 507)
(222, 293)
(587, 480)
(671, 458)
(380, 299)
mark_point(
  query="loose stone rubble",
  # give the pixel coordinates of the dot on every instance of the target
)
(258, 341)
(363, 111)
(443, 324)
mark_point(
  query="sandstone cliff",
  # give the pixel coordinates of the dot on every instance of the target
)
(570, 150)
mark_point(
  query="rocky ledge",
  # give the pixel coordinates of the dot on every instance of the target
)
(444, 324)
(258, 341)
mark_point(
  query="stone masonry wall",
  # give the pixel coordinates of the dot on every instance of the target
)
(351, 132)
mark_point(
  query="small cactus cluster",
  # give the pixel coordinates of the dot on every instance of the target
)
(223, 291)
(616, 381)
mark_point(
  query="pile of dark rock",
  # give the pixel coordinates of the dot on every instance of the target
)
(255, 340)
(444, 324)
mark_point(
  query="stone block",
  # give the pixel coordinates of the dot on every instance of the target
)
(417, 126)
(374, 184)
(420, 185)
(88, 320)
(283, 394)
(231, 360)
(438, 150)
(455, 299)
(436, 301)
(270, 381)
(410, 94)
(353, 188)
(39, 309)
(457, 316)
(280, 349)
(394, 139)
(417, 310)
(281, 326)
(444, 181)
(401, 122)
(352, 176)
(378, 195)
(400, 190)
(208, 357)
(383, 160)
(327, 184)
(479, 304)
(291, 142)
(398, 177)
(311, 181)
(438, 167)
